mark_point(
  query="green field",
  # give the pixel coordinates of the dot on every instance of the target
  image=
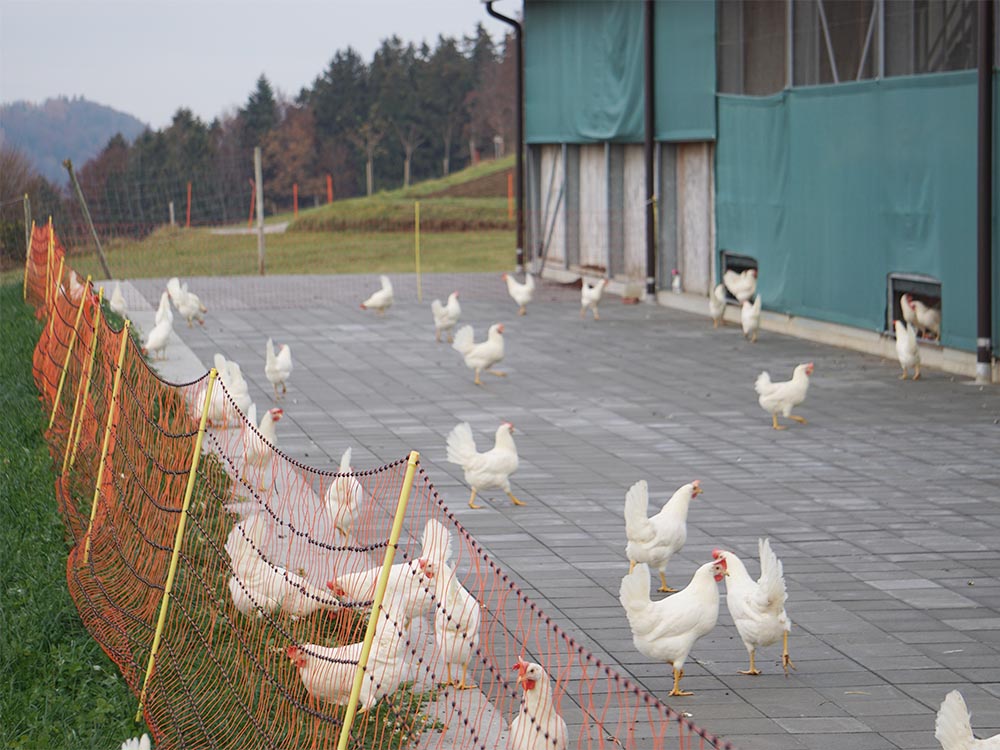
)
(58, 688)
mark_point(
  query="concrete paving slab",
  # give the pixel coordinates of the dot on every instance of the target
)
(883, 508)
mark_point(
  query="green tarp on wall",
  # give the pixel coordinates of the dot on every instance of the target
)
(584, 71)
(832, 188)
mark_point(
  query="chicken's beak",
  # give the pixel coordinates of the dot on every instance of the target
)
(697, 488)
(809, 369)
(500, 328)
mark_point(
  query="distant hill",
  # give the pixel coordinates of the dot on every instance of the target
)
(63, 128)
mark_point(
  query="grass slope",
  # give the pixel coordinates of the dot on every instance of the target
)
(57, 689)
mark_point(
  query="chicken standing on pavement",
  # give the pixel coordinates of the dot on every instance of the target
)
(538, 725)
(487, 470)
(446, 316)
(484, 355)
(783, 396)
(655, 540)
(907, 350)
(590, 297)
(381, 300)
(278, 367)
(521, 293)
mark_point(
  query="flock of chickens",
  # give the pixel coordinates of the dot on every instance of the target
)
(663, 630)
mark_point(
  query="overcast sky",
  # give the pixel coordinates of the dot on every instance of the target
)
(148, 58)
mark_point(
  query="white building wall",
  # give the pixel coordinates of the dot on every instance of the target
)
(695, 216)
(635, 212)
(593, 206)
(552, 175)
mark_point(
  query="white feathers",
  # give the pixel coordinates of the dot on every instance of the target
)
(343, 497)
(188, 304)
(590, 296)
(157, 338)
(277, 367)
(481, 356)
(446, 316)
(522, 294)
(381, 300)
(953, 726)
(743, 285)
(717, 305)
(750, 318)
(117, 302)
(907, 350)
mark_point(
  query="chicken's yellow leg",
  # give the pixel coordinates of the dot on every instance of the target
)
(447, 671)
(596, 316)
(904, 375)
(462, 684)
(774, 422)
(583, 312)
(472, 500)
(797, 418)
(786, 660)
(663, 585)
(523, 310)
(753, 665)
(916, 372)
(477, 381)
(631, 566)
(514, 499)
(678, 673)
(498, 373)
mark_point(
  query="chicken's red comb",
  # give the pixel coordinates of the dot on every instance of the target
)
(292, 652)
(716, 554)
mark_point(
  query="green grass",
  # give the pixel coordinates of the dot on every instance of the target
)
(58, 689)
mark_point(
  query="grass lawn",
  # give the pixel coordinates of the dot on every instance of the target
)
(57, 689)
(199, 252)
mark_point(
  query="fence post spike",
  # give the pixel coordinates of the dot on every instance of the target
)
(80, 402)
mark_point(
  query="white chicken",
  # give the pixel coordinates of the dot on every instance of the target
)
(758, 607)
(750, 319)
(188, 304)
(157, 339)
(590, 297)
(675, 281)
(117, 302)
(908, 313)
(381, 300)
(258, 585)
(784, 395)
(717, 305)
(328, 672)
(76, 287)
(456, 620)
(239, 390)
(907, 350)
(522, 294)
(137, 743)
(487, 470)
(538, 725)
(446, 316)
(953, 726)
(259, 440)
(277, 367)
(743, 285)
(408, 590)
(668, 629)
(928, 318)
(343, 497)
(655, 540)
(484, 355)
(163, 312)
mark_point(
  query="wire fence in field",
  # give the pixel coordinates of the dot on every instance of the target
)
(244, 596)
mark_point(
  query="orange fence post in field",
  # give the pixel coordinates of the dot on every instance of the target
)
(329, 188)
(189, 206)
(510, 195)
(295, 199)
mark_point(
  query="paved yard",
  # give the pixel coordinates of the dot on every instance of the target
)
(885, 508)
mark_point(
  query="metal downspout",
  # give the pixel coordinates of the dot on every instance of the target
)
(984, 195)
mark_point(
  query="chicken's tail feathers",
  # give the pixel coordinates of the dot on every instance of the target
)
(461, 444)
(436, 541)
(772, 574)
(637, 511)
(463, 340)
(345, 461)
(437, 308)
(529, 281)
(386, 284)
(634, 590)
(953, 727)
(763, 382)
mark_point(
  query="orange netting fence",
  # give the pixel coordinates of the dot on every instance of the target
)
(233, 586)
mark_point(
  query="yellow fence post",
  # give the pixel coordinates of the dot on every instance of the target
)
(27, 260)
(69, 353)
(416, 239)
(52, 313)
(178, 538)
(107, 440)
(383, 579)
(48, 263)
(80, 404)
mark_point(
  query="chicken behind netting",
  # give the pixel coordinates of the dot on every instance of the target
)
(456, 620)
(758, 607)
(381, 300)
(408, 590)
(538, 725)
(484, 355)
(783, 396)
(259, 585)
(743, 285)
(343, 497)
(446, 316)
(953, 726)
(188, 304)
(907, 351)
(157, 339)
(717, 305)
(667, 630)
(655, 540)
(277, 367)
(163, 311)
(117, 302)
(327, 672)
(590, 297)
(522, 294)
(750, 319)
(259, 442)
(489, 470)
